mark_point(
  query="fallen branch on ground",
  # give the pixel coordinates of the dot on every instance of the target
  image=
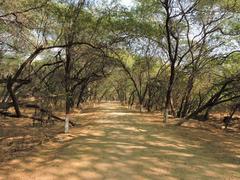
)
(5, 113)
(35, 106)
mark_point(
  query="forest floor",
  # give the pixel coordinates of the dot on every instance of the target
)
(116, 143)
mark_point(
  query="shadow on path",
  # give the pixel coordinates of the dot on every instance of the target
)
(123, 144)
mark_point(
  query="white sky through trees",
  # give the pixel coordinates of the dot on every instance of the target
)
(128, 3)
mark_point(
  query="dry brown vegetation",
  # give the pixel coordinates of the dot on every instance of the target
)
(18, 137)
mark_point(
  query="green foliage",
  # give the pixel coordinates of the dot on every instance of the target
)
(136, 37)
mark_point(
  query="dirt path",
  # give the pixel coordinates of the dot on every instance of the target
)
(120, 144)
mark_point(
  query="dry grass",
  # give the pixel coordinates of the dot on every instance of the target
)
(116, 143)
(18, 137)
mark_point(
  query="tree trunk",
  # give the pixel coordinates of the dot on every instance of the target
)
(66, 125)
(5, 95)
(187, 96)
(13, 97)
(206, 115)
(169, 93)
(141, 107)
(211, 102)
(173, 111)
(67, 88)
(165, 115)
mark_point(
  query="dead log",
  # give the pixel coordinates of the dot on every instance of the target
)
(8, 114)
(49, 113)
(35, 106)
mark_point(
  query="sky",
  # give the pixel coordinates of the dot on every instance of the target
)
(128, 3)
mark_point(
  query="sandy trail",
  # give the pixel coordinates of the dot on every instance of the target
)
(121, 144)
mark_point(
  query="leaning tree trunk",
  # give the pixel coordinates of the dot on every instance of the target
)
(13, 97)
(211, 102)
(206, 115)
(5, 95)
(80, 96)
(12, 79)
(186, 98)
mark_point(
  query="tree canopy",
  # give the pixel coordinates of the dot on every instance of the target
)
(176, 56)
